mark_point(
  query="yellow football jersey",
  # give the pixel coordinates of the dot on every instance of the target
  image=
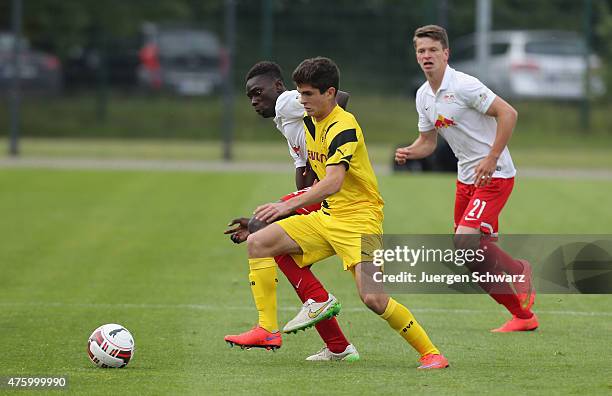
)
(338, 139)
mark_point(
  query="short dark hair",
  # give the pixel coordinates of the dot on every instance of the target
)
(320, 72)
(434, 32)
(265, 68)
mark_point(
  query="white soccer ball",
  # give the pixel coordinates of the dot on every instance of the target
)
(110, 345)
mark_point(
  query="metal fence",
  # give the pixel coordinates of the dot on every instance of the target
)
(157, 69)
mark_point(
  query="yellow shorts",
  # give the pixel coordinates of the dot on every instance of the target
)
(321, 236)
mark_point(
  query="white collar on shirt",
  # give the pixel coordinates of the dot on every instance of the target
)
(448, 72)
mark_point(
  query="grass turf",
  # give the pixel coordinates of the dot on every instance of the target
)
(146, 250)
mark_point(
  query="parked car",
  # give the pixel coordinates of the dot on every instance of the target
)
(182, 60)
(39, 71)
(531, 64)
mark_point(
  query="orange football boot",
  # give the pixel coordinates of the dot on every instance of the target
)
(257, 337)
(433, 361)
(518, 324)
(526, 295)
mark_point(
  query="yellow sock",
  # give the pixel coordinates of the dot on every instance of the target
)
(402, 321)
(262, 276)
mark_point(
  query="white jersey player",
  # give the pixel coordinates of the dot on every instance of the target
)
(289, 119)
(467, 100)
(477, 124)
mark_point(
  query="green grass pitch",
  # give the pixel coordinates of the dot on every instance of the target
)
(146, 250)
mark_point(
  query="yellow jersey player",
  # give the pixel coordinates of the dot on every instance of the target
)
(352, 207)
(269, 97)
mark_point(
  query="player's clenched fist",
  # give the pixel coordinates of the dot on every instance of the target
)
(402, 154)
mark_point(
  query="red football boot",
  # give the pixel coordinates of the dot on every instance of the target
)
(257, 337)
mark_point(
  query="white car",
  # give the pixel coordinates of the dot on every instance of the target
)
(531, 64)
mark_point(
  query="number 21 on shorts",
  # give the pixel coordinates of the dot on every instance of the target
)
(477, 209)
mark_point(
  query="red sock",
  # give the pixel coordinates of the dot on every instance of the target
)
(512, 304)
(307, 286)
(502, 260)
(498, 261)
(304, 282)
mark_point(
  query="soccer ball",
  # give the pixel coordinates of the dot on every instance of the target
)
(110, 345)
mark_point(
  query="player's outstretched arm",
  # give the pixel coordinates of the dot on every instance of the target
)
(424, 146)
(331, 184)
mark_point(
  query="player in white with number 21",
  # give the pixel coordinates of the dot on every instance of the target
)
(477, 124)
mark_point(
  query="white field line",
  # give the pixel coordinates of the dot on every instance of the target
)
(219, 308)
(242, 167)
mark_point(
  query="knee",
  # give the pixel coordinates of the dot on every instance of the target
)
(376, 302)
(255, 246)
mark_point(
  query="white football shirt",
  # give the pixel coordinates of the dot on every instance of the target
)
(289, 120)
(457, 112)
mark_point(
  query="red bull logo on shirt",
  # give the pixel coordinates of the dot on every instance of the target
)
(443, 122)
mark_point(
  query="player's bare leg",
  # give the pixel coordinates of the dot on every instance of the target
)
(399, 317)
(270, 242)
